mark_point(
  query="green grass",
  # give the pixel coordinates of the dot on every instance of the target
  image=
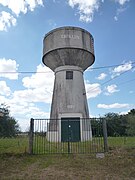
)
(118, 163)
(121, 141)
(42, 146)
(19, 145)
(14, 145)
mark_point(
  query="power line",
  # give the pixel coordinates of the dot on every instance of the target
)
(33, 72)
(104, 67)
(112, 79)
(23, 72)
(125, 82)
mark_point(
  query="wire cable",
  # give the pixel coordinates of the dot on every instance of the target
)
(102, 84)
(23, 72)
(125, 82)
(104, 67)
(33, 72)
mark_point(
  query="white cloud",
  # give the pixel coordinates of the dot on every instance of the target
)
(24, 112)
(31, 4)
(16, 6)
(111, 89)
(102, 76)
(3, 99)
(43, 78)
(122, 2)
(39, 87)
(4, 89)
(28, 110)
(21, 6)
(116, 18)
(119, 11)
(121, 69)
(86, 8)
(92, 90)
(124, 112)
(33, 95)
(113, 106)
(8, 65)
(52, 23)
(6, 20)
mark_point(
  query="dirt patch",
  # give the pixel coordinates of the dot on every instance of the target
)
(117, 164)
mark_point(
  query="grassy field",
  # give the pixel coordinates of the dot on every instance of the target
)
(18, 145)
(118, 163)
(121, 142)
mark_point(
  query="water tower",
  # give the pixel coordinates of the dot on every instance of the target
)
(69, 51)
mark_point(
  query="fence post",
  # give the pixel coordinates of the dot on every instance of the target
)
(105, 135)
(31, 136)
(68, 138)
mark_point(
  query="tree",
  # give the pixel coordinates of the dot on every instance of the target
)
(132, 112)
(121, 125)
(131, 123)
(116, 124)
(8, 125)
(96, 127)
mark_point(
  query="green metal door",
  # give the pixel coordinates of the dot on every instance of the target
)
(70, 129)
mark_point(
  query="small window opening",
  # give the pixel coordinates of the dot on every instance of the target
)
(69, 74)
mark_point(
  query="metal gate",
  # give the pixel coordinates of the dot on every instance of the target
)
(67, 135)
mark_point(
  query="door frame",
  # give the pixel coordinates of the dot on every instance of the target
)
(70, 115)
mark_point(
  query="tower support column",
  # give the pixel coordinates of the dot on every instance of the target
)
(69, 102)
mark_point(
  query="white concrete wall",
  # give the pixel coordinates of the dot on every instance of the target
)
(69, 96)
(53, 136)
(85, 133)
(86, 136)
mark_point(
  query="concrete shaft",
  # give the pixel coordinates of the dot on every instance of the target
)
(68, 46)
(69, 95)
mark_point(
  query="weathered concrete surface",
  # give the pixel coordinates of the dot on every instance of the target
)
(69, 96)
(68, 49)
(68, 46)
(69, 100)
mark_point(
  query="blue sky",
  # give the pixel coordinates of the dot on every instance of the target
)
(23, 25)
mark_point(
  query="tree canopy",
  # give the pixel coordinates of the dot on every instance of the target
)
(117, 125)
(121, 125)
(8, 125)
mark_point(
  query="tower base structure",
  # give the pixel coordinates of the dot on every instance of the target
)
(71, 134)
(69, 120)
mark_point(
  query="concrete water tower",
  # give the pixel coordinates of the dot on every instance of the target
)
(69, 51)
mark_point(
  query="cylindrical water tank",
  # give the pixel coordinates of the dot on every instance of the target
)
(68, 46)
